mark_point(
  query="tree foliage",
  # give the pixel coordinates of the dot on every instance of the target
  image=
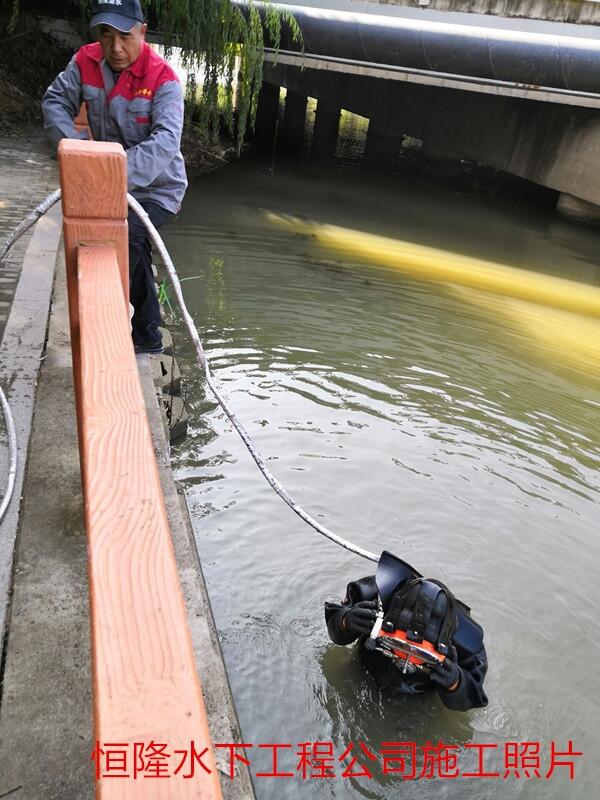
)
(226, 48)
(218, 42)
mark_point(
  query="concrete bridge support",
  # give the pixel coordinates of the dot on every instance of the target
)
(292, 132)
(265, 128)
(383, 144)
(327, 123)
(556, 146)
(574, 208)
(552, 145)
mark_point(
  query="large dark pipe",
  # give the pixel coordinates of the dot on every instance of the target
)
(556, 59)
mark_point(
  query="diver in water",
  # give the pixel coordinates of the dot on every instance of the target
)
(413, 634)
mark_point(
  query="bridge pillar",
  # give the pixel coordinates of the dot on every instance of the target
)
(292, 134)
(383, 144)
(327, 123)
(575, 208)
(267, 114)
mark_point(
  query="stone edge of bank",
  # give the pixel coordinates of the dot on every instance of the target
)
(222, 717)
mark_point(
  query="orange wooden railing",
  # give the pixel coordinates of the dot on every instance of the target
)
(145, 684)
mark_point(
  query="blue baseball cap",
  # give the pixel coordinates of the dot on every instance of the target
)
(119, 14)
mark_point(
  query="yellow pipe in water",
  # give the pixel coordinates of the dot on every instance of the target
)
(439, 265)
(573, 339)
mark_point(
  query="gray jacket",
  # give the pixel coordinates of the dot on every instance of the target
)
(143, 111)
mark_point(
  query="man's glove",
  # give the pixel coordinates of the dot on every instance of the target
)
(447, 675)
(360, 617)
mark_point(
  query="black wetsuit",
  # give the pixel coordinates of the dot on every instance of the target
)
(472, 665)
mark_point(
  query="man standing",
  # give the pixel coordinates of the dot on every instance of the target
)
(132, 96)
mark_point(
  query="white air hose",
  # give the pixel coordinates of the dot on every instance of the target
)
(202, 361)
(12, 451)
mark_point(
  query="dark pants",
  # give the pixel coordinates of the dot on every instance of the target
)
(142, 290)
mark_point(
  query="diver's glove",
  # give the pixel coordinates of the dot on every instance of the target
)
(447, 675)
(360, 617)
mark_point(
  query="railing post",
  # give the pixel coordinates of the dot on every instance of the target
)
(93, 179)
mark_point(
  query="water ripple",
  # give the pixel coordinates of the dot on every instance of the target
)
(403, 415)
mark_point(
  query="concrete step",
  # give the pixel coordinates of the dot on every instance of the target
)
(174, 416)
(166, 374)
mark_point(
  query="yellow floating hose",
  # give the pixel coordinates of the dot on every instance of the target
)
(429, 263)
(571, 338)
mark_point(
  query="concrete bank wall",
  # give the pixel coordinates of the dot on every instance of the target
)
(578, 11)
(585, 12)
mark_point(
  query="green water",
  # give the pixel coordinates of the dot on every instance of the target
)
(403, 416)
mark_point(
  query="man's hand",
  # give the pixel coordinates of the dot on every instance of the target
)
(360, 617)
(447, 675)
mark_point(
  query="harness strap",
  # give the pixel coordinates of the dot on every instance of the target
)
(450, 623)
(422, 610)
